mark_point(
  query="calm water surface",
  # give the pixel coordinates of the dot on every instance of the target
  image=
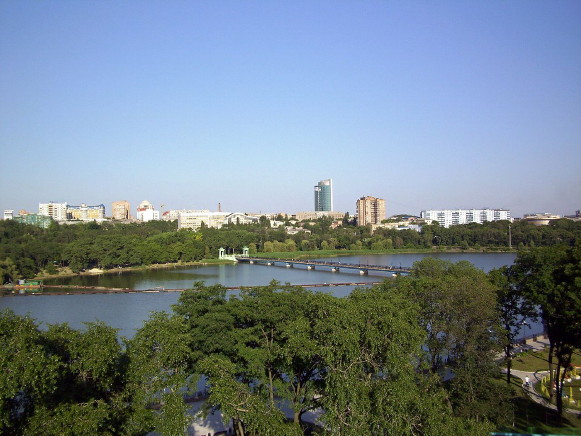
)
(127, 312)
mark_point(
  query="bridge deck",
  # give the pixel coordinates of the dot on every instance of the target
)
(339, 265)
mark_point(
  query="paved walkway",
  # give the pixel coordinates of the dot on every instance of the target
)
(535, 377)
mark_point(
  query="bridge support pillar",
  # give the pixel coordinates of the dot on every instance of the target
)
(335, 269)
(251, 262)
(363, 272)
(270, 263)
(289, 265)
(310, 266)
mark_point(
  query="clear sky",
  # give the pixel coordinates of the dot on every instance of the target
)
(447, 104)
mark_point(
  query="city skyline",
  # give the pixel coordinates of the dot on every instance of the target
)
(427, 105)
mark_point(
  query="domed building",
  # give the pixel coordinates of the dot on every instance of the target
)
(146, 212)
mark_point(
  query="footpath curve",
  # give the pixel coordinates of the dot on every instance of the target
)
(534, 377)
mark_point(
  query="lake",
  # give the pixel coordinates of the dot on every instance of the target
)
(127, 312)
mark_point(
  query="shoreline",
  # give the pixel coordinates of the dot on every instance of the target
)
(80, 290)
(98, 271)
(274, 255)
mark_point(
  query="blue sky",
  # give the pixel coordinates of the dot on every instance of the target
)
(447, 104)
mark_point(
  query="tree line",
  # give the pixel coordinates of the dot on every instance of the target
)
(26, 250)
(375, 362)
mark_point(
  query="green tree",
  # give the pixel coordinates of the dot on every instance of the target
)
(8, 271)
(29, 373)
(512, 311)
(550, 279)
(160, 358)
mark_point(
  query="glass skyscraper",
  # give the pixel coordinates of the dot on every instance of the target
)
(324, 196)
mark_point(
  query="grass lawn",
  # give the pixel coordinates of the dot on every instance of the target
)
(538, 361)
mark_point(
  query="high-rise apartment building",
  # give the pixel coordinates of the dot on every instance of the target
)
(452, 217)
(120, 210)
(324, 196)
(370, 210)
(57, 211)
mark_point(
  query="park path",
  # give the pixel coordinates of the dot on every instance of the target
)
(536, 376)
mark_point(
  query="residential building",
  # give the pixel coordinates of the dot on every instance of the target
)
(57, 211)
(86, 213)
(324, 196)
(33, 219)
(370, 210)
(8, 214)
(452, 217)
(121, 210)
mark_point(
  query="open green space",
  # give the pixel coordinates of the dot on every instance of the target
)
(539, 360)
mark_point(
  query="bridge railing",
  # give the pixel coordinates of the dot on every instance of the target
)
(328, 263)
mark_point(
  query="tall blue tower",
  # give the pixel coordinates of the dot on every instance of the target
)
(324, 196)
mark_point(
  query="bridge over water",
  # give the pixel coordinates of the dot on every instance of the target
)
(333, 266)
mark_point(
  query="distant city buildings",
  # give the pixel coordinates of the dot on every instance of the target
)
(370, 210)
(301, 216)
(146, 212)
(8, 214)
(324, 196)
(120, 210)
(452, 217)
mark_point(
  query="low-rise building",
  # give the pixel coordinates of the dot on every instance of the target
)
(86, 213)
(34, 219)
(301, 216)
(194, 219)
(540, 219)
(452, 217)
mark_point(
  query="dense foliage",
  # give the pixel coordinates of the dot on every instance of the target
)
(550, 280)
(27, 250)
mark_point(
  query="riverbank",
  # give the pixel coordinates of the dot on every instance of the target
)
(66, 272)
(79, 290)
(337, 253)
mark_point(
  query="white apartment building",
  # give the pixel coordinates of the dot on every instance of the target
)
(57, 211)
(193, 219)
(452, 217)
